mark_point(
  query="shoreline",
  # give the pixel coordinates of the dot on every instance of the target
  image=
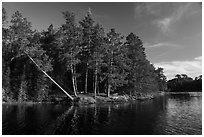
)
(100, 99)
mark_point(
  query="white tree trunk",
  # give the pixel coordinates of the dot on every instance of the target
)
(73, 80)
(50, 78)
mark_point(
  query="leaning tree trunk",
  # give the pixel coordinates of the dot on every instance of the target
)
(49, 77)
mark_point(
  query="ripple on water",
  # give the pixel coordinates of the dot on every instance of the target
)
(163, 115)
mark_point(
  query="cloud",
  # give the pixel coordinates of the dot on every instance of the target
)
(160, 44)
(198, 58)
(149, 8)
(192, 68)
(165, 23)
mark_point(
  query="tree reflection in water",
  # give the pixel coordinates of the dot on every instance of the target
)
(162, 115)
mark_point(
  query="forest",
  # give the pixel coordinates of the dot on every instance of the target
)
(184, 83)
(80, 56)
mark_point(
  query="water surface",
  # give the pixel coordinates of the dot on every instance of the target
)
(168, 114)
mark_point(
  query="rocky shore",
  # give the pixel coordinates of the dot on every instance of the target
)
(101, 98)
(115, 98)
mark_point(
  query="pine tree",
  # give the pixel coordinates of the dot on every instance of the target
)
(71, 40)
(19, 33)
(141, 76)
(96, 61)
(161, 79)
(87, 25)
(24, 44)
(116, 74)
(50, 43)
(6, 56)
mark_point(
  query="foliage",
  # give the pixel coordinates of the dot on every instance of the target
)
(22, 96)
(183, 83)
(142, 76)
(79, 56)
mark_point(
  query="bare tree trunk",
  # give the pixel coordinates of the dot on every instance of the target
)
(73, 80)
(109, 89)
(50, 78)
(97, 89)
(86, 79)
(110, 77)
(96, 79)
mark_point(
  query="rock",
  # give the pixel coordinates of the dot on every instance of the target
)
(115, 94)
(86, 100)
(101, 99)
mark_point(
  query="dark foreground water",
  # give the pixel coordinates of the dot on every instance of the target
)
(169, 114)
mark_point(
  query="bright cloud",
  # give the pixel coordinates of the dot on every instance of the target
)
(198, 58)
(192, 68)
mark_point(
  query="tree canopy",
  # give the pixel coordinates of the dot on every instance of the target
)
(80, 56)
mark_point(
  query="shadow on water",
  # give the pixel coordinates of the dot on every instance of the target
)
(162, 115)
(28, 119)
(128, 118)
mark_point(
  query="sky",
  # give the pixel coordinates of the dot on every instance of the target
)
(171, 32)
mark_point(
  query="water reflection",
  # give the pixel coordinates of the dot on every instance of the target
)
(163, 115)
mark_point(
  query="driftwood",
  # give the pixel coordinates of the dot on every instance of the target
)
(50, 77)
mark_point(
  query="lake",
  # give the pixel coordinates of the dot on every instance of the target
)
(168, 114)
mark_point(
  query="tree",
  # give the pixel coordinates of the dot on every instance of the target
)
(50, 43)
(137, 61)
(71, 40)
(19, 34)
(116, 75)
(106, 61)
(184, 84)
(87, 25)
(24, 42)
(4, 18)
(178, 76)
(6, 55)
(96, 61)
(161, 78)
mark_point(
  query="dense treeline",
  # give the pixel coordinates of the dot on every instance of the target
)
(183, 83)
(80, 57)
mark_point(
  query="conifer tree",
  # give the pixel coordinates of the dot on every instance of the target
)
(96, 61)
(116, 74)
(6, 56)
(71, 39)
(87, 25)
(24, 42)
(138, 77)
